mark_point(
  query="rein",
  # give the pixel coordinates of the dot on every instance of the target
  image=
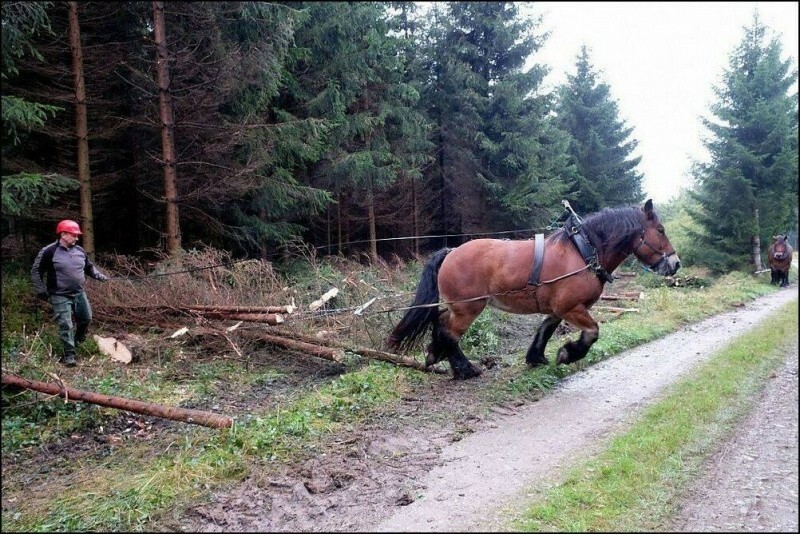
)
(471, 299)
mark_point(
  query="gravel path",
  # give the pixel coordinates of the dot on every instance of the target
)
(750, 484)
(487, 475)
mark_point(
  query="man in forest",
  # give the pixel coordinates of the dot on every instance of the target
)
(65, 266)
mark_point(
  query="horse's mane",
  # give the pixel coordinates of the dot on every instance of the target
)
(610, 228)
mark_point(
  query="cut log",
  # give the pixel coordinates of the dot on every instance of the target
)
(397, 359)
(243, 309)
(619, 297)
(332, 292)
(114, 348)
(185, 415)
(615, 309)
(314, 349)
(269, 318)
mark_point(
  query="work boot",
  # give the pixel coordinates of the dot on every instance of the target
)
(80, 334)
(69, 358)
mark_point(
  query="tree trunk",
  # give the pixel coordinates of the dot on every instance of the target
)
(328, 230)
(186, 415)
(756, 240)
(373, 244)
(172, 227)
(81, 131)
(415, 209)
(339, 229)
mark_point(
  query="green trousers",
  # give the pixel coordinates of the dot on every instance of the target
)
(63, 310)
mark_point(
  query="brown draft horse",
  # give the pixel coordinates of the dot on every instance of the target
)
(779, 257)
(575, 264)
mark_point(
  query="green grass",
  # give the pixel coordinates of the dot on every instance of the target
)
(635, 483)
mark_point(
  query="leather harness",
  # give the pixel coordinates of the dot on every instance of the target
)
(574, 228)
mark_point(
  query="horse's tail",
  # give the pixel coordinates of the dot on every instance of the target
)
(423, 313)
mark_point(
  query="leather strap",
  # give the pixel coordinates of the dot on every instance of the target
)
(584, 246)
(538, 259)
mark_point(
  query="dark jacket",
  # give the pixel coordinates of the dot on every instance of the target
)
(65, 270)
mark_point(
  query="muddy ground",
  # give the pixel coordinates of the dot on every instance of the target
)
(465, 472)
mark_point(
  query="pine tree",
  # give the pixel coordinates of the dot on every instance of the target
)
(500, 161)
(601, 146)
(748, 191)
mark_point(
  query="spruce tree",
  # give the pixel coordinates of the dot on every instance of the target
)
(26, 184)
(500, 163)
(601, 145)
(348, 74)
(748, 190)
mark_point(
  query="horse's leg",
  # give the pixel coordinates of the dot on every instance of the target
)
(575, 350)
(535, 355)
(773, 276)
(452, 325)
(436, 349)
(785, 279)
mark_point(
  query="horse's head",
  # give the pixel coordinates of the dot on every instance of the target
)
(780, 247)
(653, 248)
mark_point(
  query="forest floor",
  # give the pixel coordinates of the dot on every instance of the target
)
(438, 466)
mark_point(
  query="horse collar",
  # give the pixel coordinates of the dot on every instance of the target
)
(584, 246)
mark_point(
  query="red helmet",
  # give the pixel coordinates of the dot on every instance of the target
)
(68, 226)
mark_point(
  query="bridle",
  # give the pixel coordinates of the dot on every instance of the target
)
(664, 256)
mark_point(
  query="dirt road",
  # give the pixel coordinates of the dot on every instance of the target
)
(478, 485)
(435, 466)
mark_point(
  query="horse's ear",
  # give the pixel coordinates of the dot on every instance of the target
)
(775, 237)
(648, 208)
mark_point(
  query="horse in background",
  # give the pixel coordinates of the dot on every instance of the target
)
(779, 257)
(561, 276)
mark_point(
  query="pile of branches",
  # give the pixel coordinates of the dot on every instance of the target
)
(209, 296)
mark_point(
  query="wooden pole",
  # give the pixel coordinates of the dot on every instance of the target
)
(269, 318)
(186, 415)
(397, 359)
(619, 297)
(616, 309)
(242, 309)
(328, 353)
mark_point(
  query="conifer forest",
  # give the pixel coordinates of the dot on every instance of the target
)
(358, 128)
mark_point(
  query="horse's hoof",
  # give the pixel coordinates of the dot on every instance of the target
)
(431, 359)
(472, 372)
(538, 363)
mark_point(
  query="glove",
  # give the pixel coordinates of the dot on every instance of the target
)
(43, 296)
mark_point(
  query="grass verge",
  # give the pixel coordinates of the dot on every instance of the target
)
(635, 483)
